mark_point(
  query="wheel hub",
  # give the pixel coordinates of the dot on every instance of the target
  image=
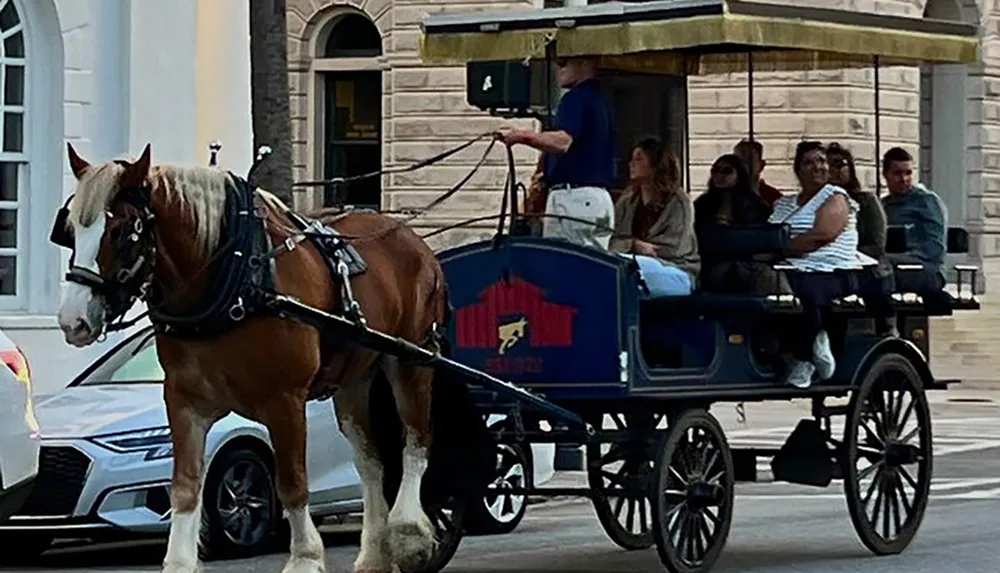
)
(701, 494)
(901, 454)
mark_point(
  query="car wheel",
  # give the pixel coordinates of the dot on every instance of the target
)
(24, 547)
(241, 509)
(498, 512)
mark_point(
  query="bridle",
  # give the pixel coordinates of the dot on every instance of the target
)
(135, 243)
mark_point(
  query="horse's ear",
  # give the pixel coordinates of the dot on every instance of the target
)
(136, 173)
(76, 163)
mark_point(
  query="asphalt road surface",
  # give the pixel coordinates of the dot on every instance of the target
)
(778, 528)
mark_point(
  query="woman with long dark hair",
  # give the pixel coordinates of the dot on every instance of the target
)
(876, 287)
(731, 200)
(654, 221)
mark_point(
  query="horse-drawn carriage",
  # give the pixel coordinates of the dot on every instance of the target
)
(537, 329)
(577, 326)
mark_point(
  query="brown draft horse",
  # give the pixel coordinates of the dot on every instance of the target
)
(266, 367)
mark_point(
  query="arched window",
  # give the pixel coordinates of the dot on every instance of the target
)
(353, 111)
(353, 36)
(13, 159)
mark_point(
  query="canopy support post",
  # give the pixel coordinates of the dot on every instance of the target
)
(750, 114)
(878, 132)
(750, 95)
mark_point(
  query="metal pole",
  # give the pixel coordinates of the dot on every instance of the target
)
(750, 126)
(878, 134)
(750, 93)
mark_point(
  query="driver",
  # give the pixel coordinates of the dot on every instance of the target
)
(579, 163)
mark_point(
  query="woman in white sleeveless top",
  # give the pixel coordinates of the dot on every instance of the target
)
(822, 218)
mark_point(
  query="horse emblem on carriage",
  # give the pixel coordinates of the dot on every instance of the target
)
(507, 313)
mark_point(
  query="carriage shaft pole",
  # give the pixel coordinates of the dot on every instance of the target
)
(361, 335)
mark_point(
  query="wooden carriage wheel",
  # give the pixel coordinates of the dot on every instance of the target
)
(693, 503)
(627, 467)
(887, 455)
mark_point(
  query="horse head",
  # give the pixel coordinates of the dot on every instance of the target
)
(108, 224)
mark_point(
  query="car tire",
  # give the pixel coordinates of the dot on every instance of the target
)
(496, 514)
(23, 547)
(241, 512)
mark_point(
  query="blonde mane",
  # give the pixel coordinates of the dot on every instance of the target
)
(200, 189)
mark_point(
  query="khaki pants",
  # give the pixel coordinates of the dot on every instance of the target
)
(591, 204)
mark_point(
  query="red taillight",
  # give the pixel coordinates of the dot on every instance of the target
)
(18, 364)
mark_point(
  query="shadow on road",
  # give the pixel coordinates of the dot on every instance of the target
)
(133, 554)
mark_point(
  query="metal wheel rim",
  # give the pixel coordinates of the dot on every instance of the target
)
(505, 508)
(691, 530)
(891, 417)
(243, 502)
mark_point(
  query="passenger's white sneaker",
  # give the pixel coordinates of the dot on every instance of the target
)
(826, 365)
(799, 373)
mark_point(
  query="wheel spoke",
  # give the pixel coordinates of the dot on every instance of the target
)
(874, 485)
(868, 470)
(877, 483)
(909, 479)
(906, 415)
(903, 498)
(630, 518)
(909, 435)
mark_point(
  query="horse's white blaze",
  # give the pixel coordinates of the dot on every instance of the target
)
(76, 298)
(307, 546)
(371, 557)
(182, 544)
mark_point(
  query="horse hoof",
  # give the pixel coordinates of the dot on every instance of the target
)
(304, 565)
(411, 544)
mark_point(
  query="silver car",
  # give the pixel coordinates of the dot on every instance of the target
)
(106, 461)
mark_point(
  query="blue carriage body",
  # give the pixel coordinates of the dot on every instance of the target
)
(572, 323)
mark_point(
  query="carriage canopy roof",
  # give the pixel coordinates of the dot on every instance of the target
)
(698, 36)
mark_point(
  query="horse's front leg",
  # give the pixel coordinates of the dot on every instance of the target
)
(286, 422)
(188, 428)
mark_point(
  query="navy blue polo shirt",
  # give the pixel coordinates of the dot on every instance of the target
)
(590, 161)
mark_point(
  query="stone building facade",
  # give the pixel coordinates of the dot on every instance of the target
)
(947, 116)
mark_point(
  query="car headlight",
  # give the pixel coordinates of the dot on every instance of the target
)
(155, 442)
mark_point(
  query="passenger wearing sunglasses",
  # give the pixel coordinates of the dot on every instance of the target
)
(730, 200)
(579, 159)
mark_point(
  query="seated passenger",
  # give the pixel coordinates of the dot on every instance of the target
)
(752, 154)
(822, 218)
(654, 220)
(878, 286)
(730, 200)
(921, 211)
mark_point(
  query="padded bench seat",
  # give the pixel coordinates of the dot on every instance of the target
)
(716, 303)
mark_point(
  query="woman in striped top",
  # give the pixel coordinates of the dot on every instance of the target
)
(823, 221)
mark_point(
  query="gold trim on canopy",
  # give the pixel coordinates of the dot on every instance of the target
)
(672, 45)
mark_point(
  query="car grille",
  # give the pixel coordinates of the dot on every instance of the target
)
(62, 473)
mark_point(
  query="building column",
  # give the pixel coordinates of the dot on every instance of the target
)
(222, 80)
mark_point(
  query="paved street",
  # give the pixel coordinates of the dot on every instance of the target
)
(778, 528)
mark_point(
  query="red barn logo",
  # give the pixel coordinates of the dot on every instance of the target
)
(506, 314)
